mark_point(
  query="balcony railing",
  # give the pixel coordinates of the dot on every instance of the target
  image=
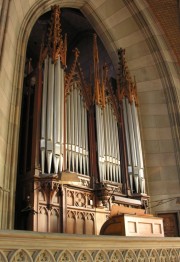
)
(32, 246)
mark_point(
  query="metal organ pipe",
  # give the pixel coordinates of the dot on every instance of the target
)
(99, 141)
(80, 131)
(57, 116)
(76, 128)
(72, 131)
(108, 144)
(131, 133)
(139, 149)
(86, 143)
(49, 122)
(133, 145)
(83, 139)
(129, 157)
(43, 119)
(62, 120)
(77, 135)
(52, 124)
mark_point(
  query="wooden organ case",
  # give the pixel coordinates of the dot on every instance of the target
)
(82, 148)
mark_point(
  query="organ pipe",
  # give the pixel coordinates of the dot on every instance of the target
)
(43, 119)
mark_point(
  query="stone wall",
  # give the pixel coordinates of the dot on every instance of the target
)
(23, 246)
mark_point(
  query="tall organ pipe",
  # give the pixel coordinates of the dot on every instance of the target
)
(134, 148)
(52, 123)
(128, 147)
(57, 116)
(138, 148)
(43, 119)
(86, 143)
(62, 120)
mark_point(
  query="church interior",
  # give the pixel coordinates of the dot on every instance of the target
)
(90, 119)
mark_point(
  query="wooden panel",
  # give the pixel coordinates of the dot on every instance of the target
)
(54, 221)
(43, 220)
(170, 222)
(117, 210)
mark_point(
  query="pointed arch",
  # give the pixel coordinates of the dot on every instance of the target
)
(65, 255)
(116, 256)
(42, 195)
(101, 255)
(84, 256)
(173, 255)
(43, 255)
(153, 255)
(130, 256)
(20, 255)
(163, 255)
(142, 256)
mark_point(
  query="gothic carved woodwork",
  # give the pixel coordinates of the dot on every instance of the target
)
(55, 44)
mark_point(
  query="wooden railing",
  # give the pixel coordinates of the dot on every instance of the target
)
(31, 246)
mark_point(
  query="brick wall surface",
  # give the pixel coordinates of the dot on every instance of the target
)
(168, 15)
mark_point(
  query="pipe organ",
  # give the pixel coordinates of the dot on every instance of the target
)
(88, 141)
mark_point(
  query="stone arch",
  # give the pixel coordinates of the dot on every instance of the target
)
(153, 255)
(129, 256)
(65, 256)
(116, 256)
(84, 256)
(163, 255)
(20, 255)
(37, 9)
(142, 256)
(43, 255)
(101, 255)
(173, 255)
